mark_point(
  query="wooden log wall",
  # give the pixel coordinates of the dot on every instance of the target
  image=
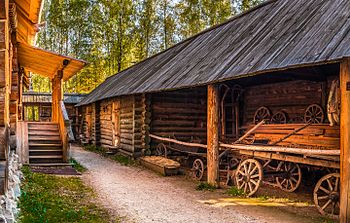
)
(4, 63)
(118, 123)
(106, 125)
(88, 124)
(291, 97)
(181, 114)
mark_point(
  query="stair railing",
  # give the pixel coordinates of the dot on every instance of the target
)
(66, 132)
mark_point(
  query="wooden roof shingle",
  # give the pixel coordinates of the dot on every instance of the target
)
(276, 35)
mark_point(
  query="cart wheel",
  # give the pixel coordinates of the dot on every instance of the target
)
(249, 175)
(161, 150)
(314, 114)
(279, 118)
(327, 194)
(198, 169)
(261, 113)
(292, 179)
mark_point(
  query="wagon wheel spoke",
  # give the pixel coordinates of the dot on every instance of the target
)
(330, 185)
(336, 185)
(253, 170)
(324, 190)
(323, 197)
(326, 204)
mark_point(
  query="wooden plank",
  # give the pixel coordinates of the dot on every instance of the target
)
(345, 141)
(291, 158)
(213, 135)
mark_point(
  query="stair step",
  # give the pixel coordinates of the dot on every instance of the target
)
(42, 152)
(41, 128)
(46, 157)
(45, 141)
(44, 133)
(45, 145)
(45, 150)
(42, 124)
(50, 164)
(48, 161)
(48, 137)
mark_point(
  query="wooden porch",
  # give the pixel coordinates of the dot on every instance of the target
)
(47, 143)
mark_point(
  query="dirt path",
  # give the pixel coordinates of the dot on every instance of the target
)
(143, 196)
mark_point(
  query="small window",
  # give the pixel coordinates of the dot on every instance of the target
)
(32, 113)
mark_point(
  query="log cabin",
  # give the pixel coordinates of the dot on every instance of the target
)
(19, 24)
(271, 84)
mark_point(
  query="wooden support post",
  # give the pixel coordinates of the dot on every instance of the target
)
(345, 141)
(56, 95)
(213, 135)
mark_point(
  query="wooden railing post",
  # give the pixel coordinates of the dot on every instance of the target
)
(345, 141)
(213, 135)
(56, 94)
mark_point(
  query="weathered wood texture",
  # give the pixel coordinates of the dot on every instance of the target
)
(106, 125)
(345, 141)
(321, 136)
(213, 135)
(118, 123)
(180, 114)
(291, 97)
(133, 127)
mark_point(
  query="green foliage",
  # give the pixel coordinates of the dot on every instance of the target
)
(124, 160)
(48, 198)
(95, 149)
(77, 166)
(234, 191)
(203, 186)
(114, 35)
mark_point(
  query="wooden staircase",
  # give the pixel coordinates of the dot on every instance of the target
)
(45, 144)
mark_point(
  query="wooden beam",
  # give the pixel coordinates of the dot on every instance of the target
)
(213, 135)
(57, 95)
(345, 141)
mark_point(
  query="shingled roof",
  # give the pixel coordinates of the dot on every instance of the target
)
(275, 35)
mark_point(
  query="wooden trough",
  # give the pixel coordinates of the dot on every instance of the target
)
(162, 165)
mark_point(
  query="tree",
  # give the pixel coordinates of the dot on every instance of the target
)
(113, 35)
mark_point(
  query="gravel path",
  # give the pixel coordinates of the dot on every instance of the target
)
(139, 195)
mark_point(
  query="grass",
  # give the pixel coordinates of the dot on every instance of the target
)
(49, 198)
(203, 186)
(77, 166)
(235, 192)
(124, 160)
